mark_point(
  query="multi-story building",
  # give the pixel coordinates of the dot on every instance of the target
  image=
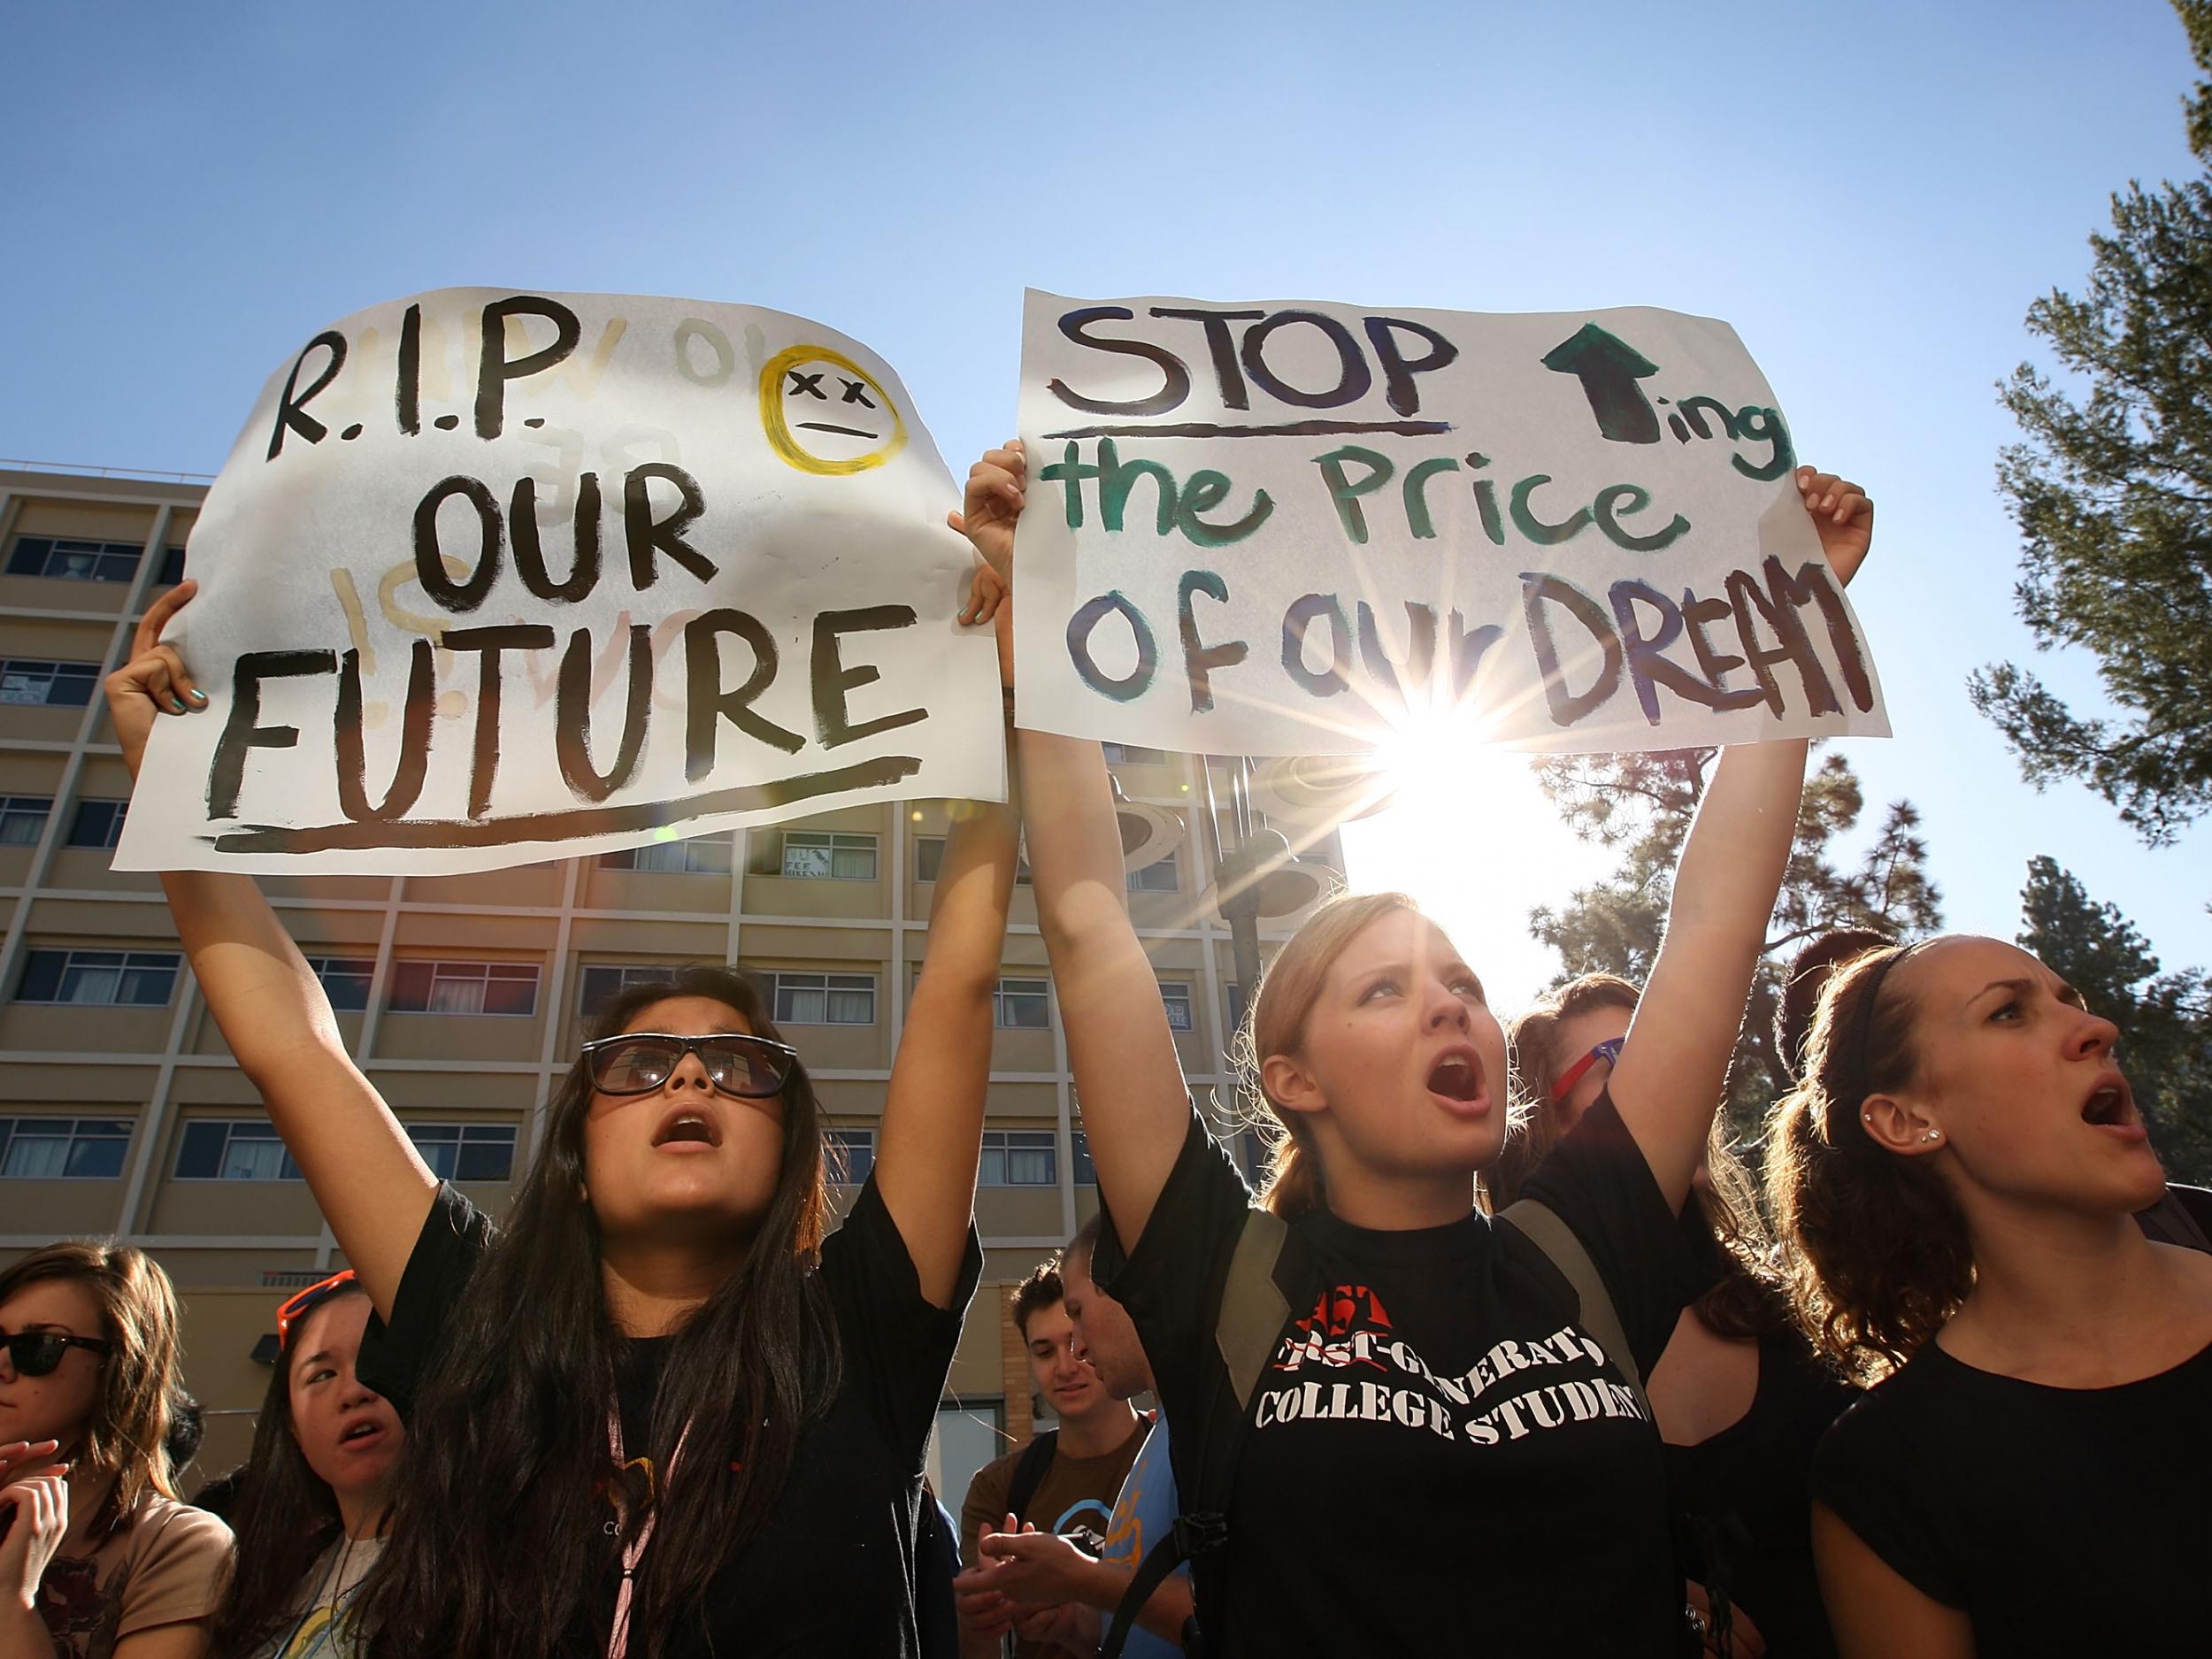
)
(464, 998)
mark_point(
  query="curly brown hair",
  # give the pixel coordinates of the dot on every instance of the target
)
(1876, 1250)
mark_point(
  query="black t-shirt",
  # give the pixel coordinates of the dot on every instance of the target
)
(1440, 1459)
(831, 1570)
(1746, 1496)
(2062, 1521)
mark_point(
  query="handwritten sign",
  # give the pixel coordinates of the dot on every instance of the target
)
(1278, 528)
(493, 577)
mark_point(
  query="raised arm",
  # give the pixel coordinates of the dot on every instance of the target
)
(1127, 1073)
(933, 1114)
(366, 1176)
(1668, 1081)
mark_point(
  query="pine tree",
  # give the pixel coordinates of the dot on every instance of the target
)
(1643, 806)
(2165, 1019)
(2113, 495)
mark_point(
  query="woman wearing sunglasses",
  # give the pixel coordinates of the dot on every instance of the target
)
(661, 1408)
(314, 1498)
(97, 1554)
(1740, 1397)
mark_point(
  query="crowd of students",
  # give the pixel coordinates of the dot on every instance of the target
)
(1573, 1387)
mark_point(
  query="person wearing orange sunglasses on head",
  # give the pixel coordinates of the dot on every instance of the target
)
(314, 1497)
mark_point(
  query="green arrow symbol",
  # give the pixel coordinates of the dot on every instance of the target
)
(1609, 369)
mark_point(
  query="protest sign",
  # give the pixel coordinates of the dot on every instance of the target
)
(492, 577)
(1279, 529)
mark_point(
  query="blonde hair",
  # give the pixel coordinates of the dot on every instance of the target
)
(1275, 1023)
(140, 1373)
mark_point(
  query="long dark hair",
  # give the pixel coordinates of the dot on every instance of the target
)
(497, 1545)
(285, 1516)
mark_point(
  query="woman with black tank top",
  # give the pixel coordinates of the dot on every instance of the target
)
(1436, 1451)
(1958, 1178)
(662, 1409)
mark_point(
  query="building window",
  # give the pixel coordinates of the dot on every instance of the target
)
(1023, 1005)
(96, 822)
(852, 1155)
(703, 855)
(1079, 1154)
(345, 980)
(56, 684)
(817, 856)
(464, 987)
(822, 999)
(75, 561)
(1133, 754)
(172, 571)
(218, 1150)
(602, 981)
(1017, 1157)
(465, 1152)
(1175, 997)
(929, 857)
(1159, 877)
(1233, 994)
(63, 1149)
(118, 979)
(21, 818)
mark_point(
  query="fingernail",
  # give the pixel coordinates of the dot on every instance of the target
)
(176, 705)
(198, 695)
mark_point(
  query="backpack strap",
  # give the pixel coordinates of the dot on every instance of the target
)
(1029, 1473)
(1543, 1228)
(1255, 1308)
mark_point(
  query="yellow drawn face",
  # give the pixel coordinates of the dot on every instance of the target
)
(826, 414)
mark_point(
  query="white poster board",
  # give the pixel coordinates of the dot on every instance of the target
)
(1295, 528)
(491, 578)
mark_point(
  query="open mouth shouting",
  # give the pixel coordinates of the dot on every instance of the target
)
(1456, 1082)
(688, 1129)
(2111, 1109)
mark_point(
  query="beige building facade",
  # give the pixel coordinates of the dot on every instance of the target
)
(465, 998)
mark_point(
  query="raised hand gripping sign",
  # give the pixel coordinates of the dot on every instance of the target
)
(1282, 529)
(492, 577)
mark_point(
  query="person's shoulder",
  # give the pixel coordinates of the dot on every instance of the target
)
(1883, 1418)
(162, 1529)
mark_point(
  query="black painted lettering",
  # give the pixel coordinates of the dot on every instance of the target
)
(1816, 583)
(413, 765)
(1714, 664)
(707, 705)
(832, 681)
(572, 716)
(1353, 375)
(1565, 707)
(407, 388)
(1648, 668)
(522, 524)
(1221, 346)
(1420, 657)
(495, 368)
(494, 642)
(1175, 378)
(464, 595)
(244, 731)
(1398, 371)
(292, 407)
(1792, 644)
(645, 534)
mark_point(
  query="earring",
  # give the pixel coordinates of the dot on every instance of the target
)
(1933, 1134)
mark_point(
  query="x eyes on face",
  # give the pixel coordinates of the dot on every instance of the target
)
(811, 386)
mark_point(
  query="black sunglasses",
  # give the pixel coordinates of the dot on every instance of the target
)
(639, 1062)
(36, 1353)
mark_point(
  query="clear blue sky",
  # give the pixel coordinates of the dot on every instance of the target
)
(1872, 194)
